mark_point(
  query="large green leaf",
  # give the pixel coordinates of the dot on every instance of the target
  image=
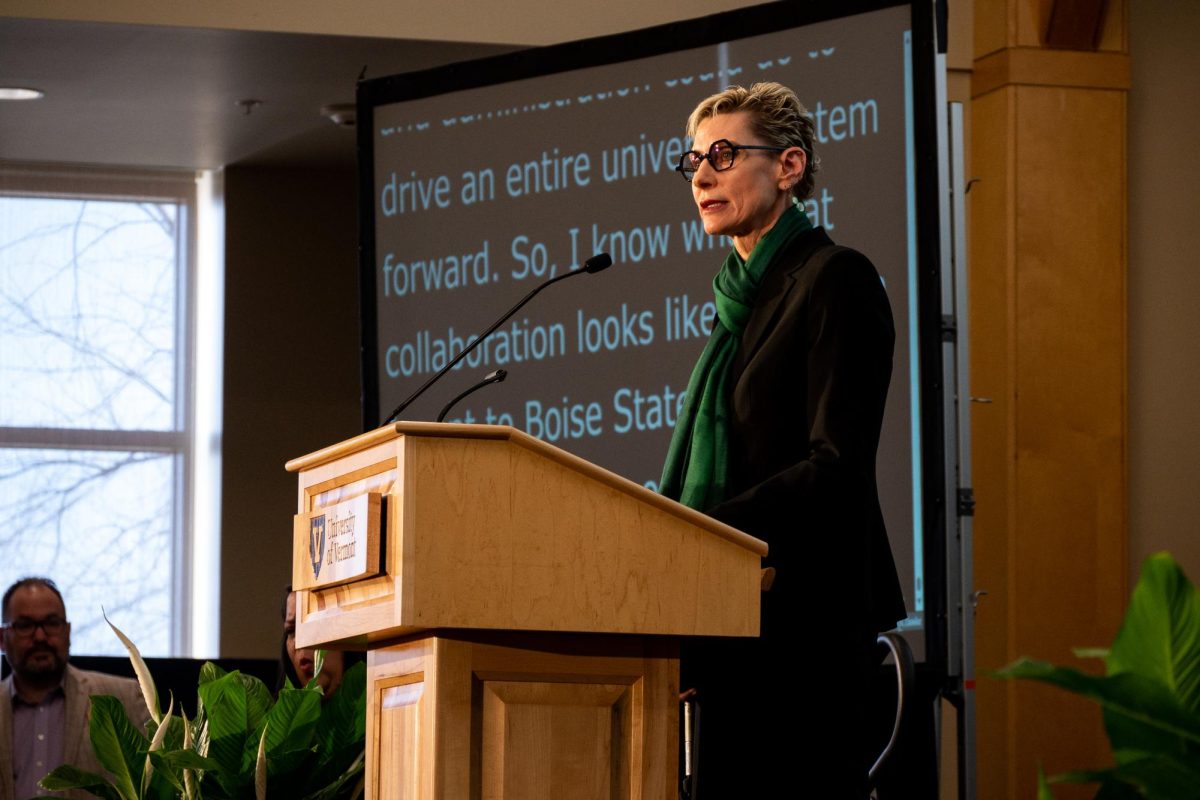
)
(235, 706)
(344, 716)
(1160, 637)
(225, 709)
(258, 702)
(165, 784)
(69, 777)
(1161, 777)
(1132, 738)
(291, 727)
(347, 785)
(292, 721)
(1111, 787)
(1146, 776)
(210, 672)
(1145, 710)
(342, 729)
(183, 759)
(167, 771)
(119, 746)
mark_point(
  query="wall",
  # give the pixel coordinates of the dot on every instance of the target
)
(1164, 283)
(291, 373)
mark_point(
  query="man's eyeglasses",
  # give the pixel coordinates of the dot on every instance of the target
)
(25, 628)
(722, 154)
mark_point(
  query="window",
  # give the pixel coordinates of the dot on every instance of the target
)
(98, 420)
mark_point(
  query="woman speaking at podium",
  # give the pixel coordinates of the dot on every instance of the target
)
(777, 438)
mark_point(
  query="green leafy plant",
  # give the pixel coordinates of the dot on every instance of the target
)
(1150, 693)
(242, 744)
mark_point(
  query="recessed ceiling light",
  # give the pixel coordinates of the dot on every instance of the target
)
(20, 93)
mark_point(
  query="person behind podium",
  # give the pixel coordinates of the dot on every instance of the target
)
(777, 438)
(297, 665)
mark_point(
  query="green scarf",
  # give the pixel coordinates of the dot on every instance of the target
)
(697, 463)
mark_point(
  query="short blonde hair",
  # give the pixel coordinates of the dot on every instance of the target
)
(776, 115)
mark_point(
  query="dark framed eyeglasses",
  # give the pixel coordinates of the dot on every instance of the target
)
(722, 154)
(25, 628)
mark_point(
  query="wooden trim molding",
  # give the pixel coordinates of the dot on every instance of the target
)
(1033, 66)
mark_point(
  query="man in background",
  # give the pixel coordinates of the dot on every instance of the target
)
(44, 703)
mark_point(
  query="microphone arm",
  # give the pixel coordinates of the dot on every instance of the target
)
(593, 264)
(493, 377)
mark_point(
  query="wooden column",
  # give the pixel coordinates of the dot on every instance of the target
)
(1048, 339)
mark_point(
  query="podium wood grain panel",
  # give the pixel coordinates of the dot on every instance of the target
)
(400, 734)
(481, 715)
(556, 740)
(400, 718)
(511, 540)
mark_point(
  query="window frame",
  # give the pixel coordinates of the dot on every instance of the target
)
(179, 187)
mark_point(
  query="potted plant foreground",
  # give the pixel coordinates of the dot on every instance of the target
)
(1150, 693)
(242, 744)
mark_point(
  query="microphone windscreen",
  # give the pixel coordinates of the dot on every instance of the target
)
(598, 262)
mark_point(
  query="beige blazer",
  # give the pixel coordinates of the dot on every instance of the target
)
(78, 686)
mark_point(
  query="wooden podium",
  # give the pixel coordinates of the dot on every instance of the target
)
(522, 613)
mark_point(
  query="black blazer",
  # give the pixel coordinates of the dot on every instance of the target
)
(809, 383)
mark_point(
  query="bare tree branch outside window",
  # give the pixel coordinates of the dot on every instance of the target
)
(92, 438)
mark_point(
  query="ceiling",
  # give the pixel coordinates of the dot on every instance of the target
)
(151, 96)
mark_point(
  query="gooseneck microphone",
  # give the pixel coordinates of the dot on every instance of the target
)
(595, 264)
(493, 377)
